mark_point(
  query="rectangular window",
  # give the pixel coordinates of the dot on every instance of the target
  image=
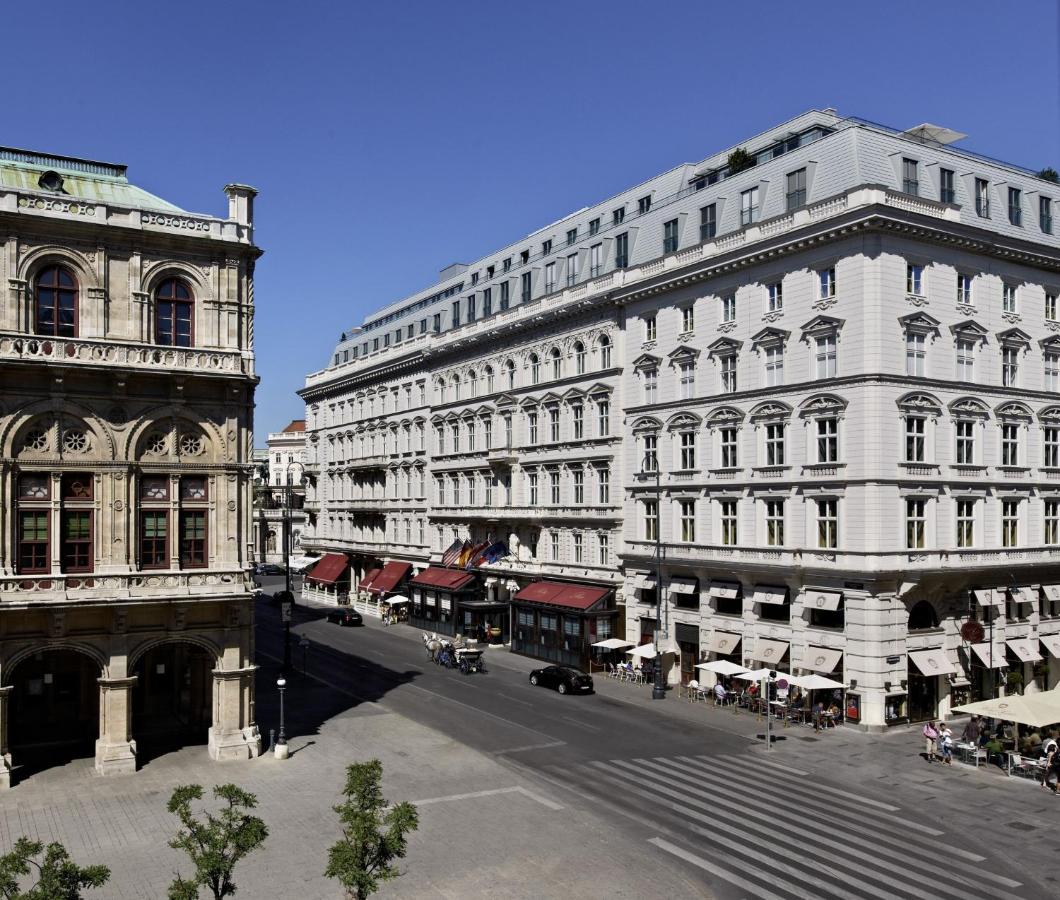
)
(1015, 206)
(550, 278)
(828, 440)
(472, 308)
(826, 283)
(505, 300)
(553, 424)
(618, 216)
(507, 265)
(775, 523)
(472, 481)
(192, 538)
(688, 520)
(1050, 306)
(553, 488)
(1010, 523)
(579, 486)
(776, 296)
(1052, 521)
(775, 444)
(914, 439)
(688, 319)
(546, 247)
(914, 354)
(1052, 372)
(594, 227)
(154, 539)
(1009, 444)
(33, 543)
(524, 257)
(946, 192)
(774, 365)
(436, 324)
(572, 236)
(531, 488)
(915, 523)
(749, 206)
(622, 250)
(456, 314)
(728, 308)
(982, 198)
(603, 418)
(651, 520)
(525, 281)
(579, 557)
(651, 452)
(595, 260)
(651, 385)
(670, 236)
(826, 356)
(729, 458)
(687, 372)
(603, 485)
(487, 301)
(965, 360)
(796, 193)
(964, 289)
(1051, 454)
(572, 269)
(643, 205)
(1045, 215)
(708, 222)
(553, 553)
(828, 524)
(688, 450)
(965, 430)
(1010, 367)
(914, 279)
(603, 553)
(965, 523)
(728, 374)
(729, 524)
(1008, 298)
(650, 329)
(578, 421)
(910, 176)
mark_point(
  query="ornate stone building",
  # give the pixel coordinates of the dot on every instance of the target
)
(126, 354)
(280, 466)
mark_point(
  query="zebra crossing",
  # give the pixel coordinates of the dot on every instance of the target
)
(756, 829)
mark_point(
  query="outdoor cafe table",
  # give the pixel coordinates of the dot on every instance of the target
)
(969, 753)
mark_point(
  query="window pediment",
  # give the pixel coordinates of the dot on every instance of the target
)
(505, 400)
(1050, 414)
(600, 388)
(724, 347)
(822, 404)
(969, 330)
(920, 323)
(1014, 337)
(646, 423)
(770, 336)
(920, 403)
(968, 407)
(727, 415)
(574, 395)
(683, 353)
(1050, 344)
(1013, 410)
(683, 421)
(646, 361)
(771, 409)
(822, 325)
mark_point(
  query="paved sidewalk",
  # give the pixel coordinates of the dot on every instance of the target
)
(485, 830)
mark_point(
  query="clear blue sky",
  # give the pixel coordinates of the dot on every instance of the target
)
(390, 139)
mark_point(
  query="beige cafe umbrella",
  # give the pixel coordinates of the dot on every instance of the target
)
(1036, 710)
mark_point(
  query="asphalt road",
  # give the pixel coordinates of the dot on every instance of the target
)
(739, 824)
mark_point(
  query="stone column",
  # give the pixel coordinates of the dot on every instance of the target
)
(115, 748)
(5, 753)
(234, 734)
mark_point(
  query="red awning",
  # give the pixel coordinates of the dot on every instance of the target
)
(367, 580)
(446, 579)
(556, 593)
(392, 573)
(329, 568)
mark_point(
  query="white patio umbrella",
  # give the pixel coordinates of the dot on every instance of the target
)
(613, 644)
(1035, 710)
(814, 682)
(722, 667)
(758, 674)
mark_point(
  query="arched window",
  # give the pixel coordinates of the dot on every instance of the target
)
(557, 364)
(472, 383)
(56, 302)
(535, 369)
(173, 314)
(923, 616)
(579, 357)
(456, 387)
(509, 368)
(605, 351)
(489, 379)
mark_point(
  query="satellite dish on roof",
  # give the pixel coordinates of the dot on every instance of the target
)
(934, 134)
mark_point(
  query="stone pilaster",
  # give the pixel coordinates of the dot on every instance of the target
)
(115, 749)
(5, 753)
(234, 735)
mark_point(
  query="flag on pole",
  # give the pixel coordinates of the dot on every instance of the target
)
(475, 556)
(462, 556)
(450, 555)
(495, 552)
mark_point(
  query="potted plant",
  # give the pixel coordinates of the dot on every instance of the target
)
(1041, 673)
(1014, 681)
(739, 160)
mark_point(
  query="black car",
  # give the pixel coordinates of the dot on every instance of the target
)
(345, 617)
(563, 678)
(270, 569)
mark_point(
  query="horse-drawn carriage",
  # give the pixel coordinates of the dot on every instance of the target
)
(453, 654)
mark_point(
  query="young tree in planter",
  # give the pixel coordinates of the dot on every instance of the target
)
(215, 843)
(1049, 174)
(58, 876)
(371, 838)
(739, 160)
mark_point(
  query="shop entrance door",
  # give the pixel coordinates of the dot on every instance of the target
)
(923, 696)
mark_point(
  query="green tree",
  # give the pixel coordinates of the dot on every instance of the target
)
(214, 843)
(1049, 174)
(58, 876)
(371, 837)
(739, 160)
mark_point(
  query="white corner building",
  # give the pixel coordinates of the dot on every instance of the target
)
(845, 358)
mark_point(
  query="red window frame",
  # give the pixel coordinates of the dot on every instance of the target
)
(56, 291)
(75, 553)
(193, 549)
(23, 479)
(174, 314)
(34, 556)
(154, 549)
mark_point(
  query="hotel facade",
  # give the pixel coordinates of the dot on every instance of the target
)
(797, 407)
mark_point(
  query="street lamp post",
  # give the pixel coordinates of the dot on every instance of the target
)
(651, 463)
(281, 741)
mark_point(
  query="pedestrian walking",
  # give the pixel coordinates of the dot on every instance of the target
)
(930, 737)
(945, 740)
(1051, 778)
(971, 731)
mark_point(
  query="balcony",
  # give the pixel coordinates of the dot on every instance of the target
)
(503, 456)
(378, 461)
(122, 355)
(497, 513)
(145, 586)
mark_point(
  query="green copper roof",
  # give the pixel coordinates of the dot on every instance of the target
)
(84, 179)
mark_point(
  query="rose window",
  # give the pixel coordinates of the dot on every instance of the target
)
(75, 441)
(156, 443)
(37, 440)
(191, 444)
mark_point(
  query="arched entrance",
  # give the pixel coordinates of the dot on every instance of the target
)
(172, 699)
(53, 709)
